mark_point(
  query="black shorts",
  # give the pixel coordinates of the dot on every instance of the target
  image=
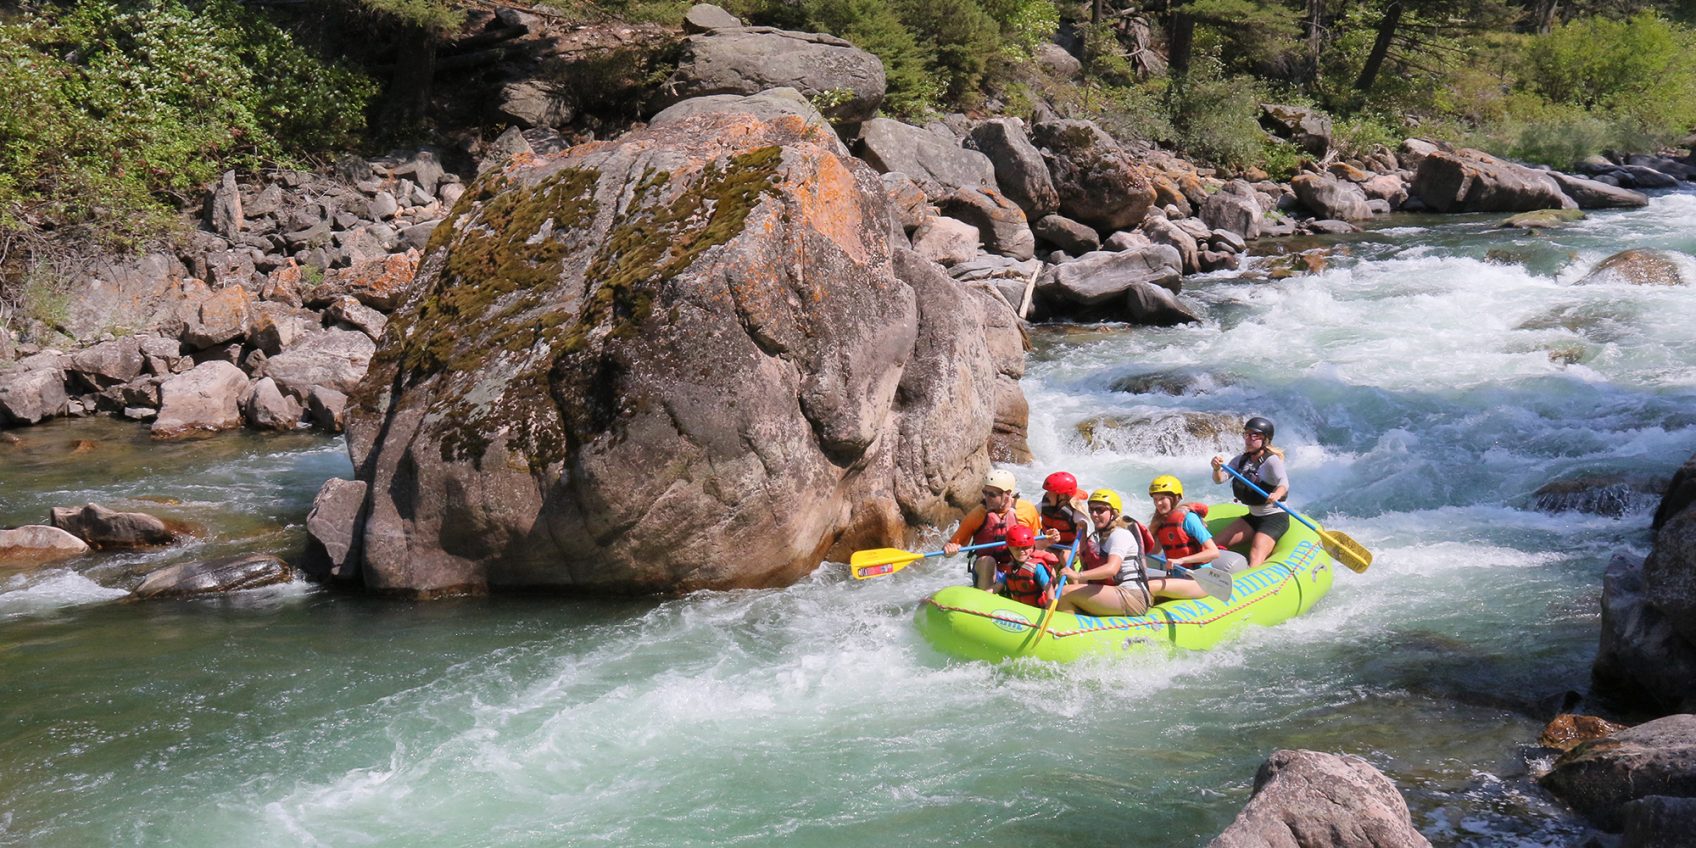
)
(1269, 525)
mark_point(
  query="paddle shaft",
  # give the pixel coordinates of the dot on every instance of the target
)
(1059, 589)
(878, 568)
(1262, 492)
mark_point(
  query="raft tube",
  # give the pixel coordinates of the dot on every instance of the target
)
(971, 623)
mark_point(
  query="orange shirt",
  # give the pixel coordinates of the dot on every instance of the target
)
(1024, 512)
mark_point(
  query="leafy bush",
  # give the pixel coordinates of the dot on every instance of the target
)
(963, 39)
(1639, 74)
(117, 109)
(1217, 118)
(1361, 133)
(874, 26)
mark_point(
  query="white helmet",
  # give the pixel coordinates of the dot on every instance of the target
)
(1001, 479)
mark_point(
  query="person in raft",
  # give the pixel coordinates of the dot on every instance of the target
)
(1180, 531)
(1063, 511)
(1264, 464)
(1001, 510)
(1115, 577)
(1028, 576)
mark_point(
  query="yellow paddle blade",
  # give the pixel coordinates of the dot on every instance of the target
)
(1345, 550)
(880, 561)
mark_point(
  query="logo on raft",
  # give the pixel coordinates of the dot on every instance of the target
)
(1012, 621)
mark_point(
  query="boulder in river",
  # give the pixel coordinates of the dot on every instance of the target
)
(37, 544)
(108, 528)
(1647, 656)
(1599, 778)
(685, 358)
(230, 574)
(1468, 180)
(1308, 799)
(204, 399)
(1638, 266)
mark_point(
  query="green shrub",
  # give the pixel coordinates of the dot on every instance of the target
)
(117, 110)
(1359, 134)
(1638, 75)
(1217, 118)
(873, 25)
(962, 38)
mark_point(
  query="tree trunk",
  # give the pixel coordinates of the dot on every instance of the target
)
(408, 97)
(1380, 48)
(1180, 34)
(1313, 19)
(1543, 15)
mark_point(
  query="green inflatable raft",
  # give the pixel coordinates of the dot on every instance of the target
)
(975, 624)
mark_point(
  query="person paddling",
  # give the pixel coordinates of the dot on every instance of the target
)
(1063, 510)
(1028, 576)
(1001, 510)
(1263, 464)
(1182, 534)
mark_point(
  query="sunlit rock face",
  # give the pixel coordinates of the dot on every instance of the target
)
(685, 358)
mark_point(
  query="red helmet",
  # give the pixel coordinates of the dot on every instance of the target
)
(1021, 537)
(1061, 483)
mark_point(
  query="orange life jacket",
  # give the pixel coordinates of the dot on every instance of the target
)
(1169, 532)
(1020, 580)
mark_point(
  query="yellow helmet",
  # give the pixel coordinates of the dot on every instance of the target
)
(1109, 497)
(1166, 484)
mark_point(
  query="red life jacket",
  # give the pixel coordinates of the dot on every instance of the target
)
(1021, 584)
(1170, 532)
(994, 529)
(1130, 568)
(1058, 517)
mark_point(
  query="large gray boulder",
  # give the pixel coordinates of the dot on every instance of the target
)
(1468, 180)
(333, 531)
(1308, 799)
(936, 164)
(1002, 226)
(106, 364)
(202, 400)
(1647, 655)
(1590, 194)
(32, 390)
(38, 544)
(753, 59)
(1600, 778)
(689, 358)
(1331, 198)
(1137, 285)
(1099, 182)
(1019, 168)
(1235, 207)
(333, 358)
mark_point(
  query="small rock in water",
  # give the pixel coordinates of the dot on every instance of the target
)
(1568, 731)
(81, 446)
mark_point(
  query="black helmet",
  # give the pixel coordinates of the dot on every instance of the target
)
(1263, 426)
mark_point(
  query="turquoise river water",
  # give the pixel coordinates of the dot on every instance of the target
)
(1434, 376)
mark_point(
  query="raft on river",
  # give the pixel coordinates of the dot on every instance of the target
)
(975, 624)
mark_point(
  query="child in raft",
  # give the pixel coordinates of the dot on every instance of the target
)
(1181, 533)
(1028, 577)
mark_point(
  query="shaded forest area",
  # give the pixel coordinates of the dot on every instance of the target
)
(122, 111)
